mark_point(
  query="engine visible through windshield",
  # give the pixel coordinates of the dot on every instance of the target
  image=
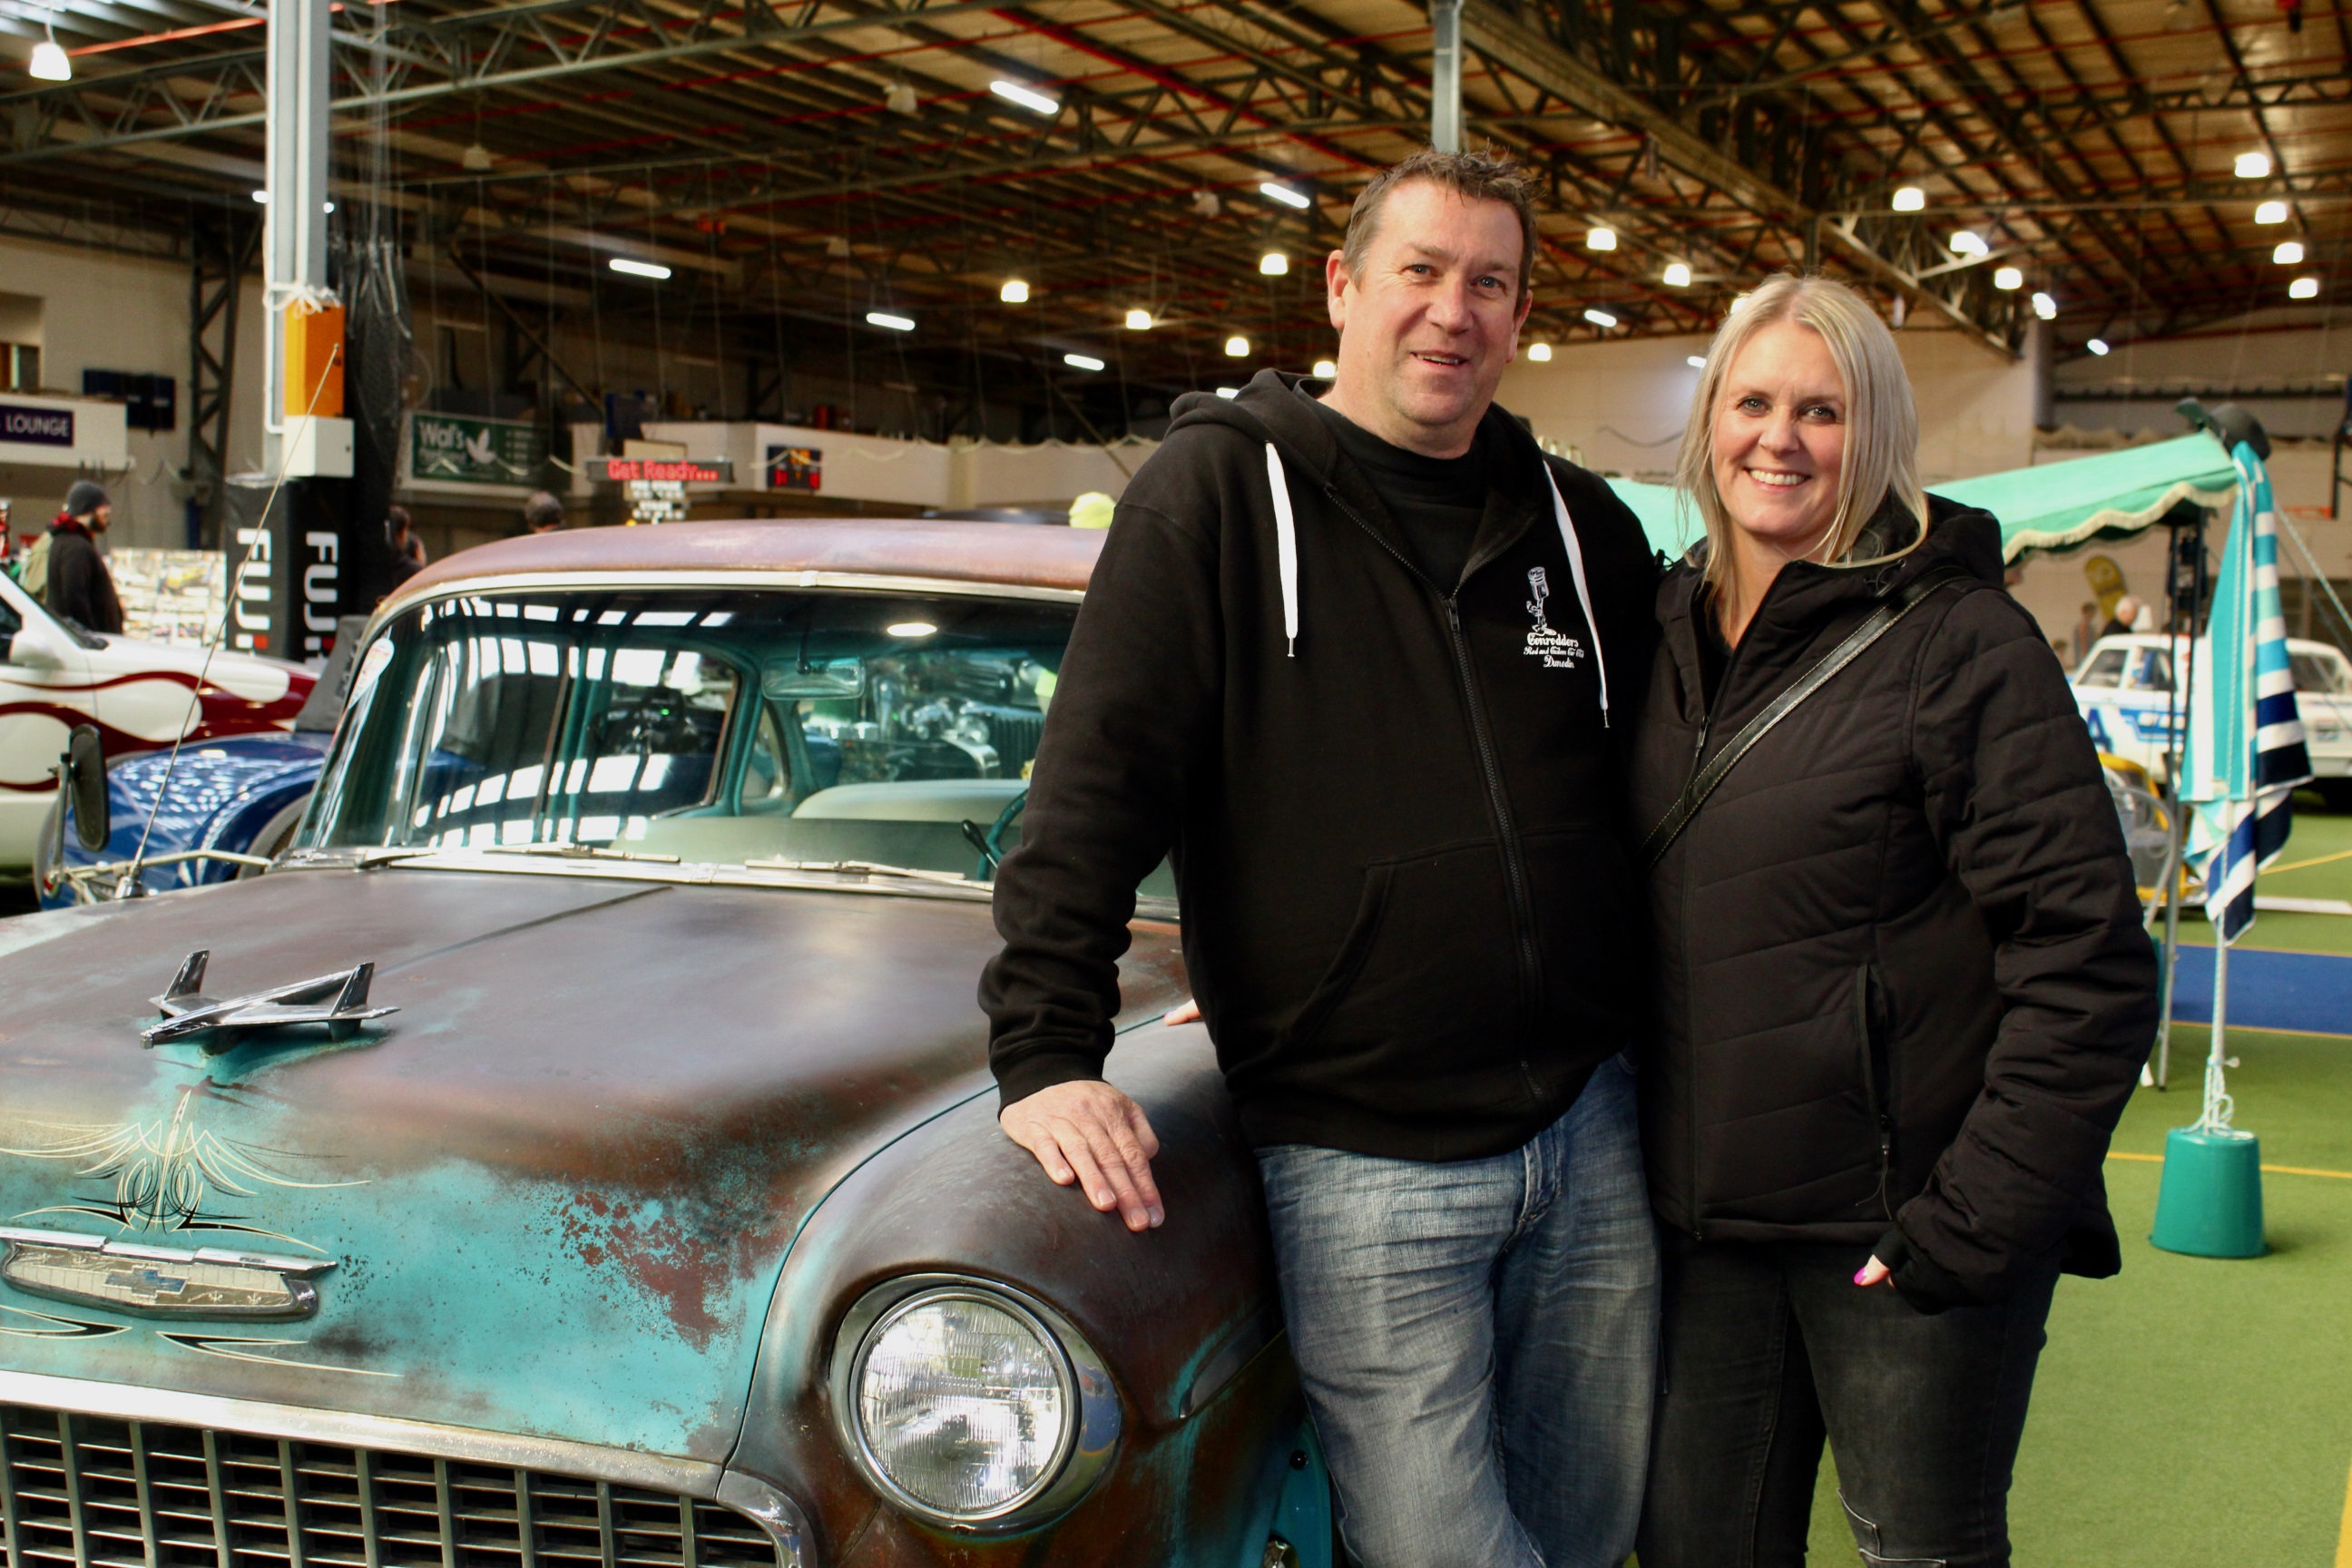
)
(720, 725)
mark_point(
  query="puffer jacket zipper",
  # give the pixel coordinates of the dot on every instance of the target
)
(1872, 1089)
(1522, 921)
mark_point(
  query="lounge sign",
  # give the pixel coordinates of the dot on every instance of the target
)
(36, 427)
(454, 448)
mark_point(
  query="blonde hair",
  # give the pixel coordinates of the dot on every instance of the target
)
(1881, 443)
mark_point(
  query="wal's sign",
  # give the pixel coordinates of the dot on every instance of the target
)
(451, 448)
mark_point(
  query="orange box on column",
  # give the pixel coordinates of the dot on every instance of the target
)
(314, 363)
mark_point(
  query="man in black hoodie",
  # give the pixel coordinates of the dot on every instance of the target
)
(79, 587)
(1352, 664)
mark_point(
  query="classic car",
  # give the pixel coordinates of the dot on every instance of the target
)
(139, 695)
(579, 1147)
(221, 808)
(2123, 688)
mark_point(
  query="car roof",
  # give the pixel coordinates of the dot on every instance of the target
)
(1015, 554)
(2158, 639)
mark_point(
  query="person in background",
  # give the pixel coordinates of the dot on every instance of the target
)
(2126, 619)
(543, 513)
(407, 549)
(76, 584)
(1903, 992)
(2086, 632)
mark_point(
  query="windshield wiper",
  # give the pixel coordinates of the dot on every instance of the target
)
(859, 868)
(579, 852)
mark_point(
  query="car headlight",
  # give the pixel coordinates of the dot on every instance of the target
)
(971, 1405)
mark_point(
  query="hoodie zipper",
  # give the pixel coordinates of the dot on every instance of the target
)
(1514, 865)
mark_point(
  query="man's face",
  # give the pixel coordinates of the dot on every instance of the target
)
(100, 515)
(1431, 318)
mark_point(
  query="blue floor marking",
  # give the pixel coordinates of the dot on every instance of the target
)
(2311, 991)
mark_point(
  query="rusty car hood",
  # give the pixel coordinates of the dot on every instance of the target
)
(557, 1186)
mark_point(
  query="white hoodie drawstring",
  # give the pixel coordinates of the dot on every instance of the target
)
(1576, 574)
(1285, 546)
(1286, 554)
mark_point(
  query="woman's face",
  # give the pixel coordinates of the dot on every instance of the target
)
(1779, 438)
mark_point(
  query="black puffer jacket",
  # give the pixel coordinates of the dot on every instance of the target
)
(1902, 974)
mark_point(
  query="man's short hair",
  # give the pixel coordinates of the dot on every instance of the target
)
(1474, 176)
(542, 510)
(397, 521)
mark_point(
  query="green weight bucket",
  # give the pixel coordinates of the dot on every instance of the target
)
(2210, 1204)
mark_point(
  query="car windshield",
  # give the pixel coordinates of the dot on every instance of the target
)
(2105, 668)
(2325, 673)
(717, 725)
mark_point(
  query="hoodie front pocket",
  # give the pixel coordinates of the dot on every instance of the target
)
(1428, 959)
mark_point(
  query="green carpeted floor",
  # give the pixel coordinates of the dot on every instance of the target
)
(2193, 1413)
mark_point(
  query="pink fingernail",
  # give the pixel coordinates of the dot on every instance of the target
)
(1858, 1273)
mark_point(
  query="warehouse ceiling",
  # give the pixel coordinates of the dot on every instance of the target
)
(796, 167)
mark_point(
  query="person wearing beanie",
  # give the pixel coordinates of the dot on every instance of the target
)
(78, 587)
(543, 513)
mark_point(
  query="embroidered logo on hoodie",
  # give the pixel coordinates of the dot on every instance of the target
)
(1557, 650)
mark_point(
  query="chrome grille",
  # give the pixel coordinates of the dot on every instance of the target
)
(84, 1491)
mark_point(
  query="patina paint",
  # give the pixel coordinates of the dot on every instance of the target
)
(558, 1184)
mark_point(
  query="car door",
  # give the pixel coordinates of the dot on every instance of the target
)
(45, 691)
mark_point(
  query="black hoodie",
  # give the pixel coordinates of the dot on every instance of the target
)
(1901, 976)
(1411, 915)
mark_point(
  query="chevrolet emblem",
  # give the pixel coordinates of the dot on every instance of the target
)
(159, 1281)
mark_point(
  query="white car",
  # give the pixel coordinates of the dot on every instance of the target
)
(53, 675)
(2124, 689)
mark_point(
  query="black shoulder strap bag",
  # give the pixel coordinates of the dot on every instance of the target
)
(1704, 781)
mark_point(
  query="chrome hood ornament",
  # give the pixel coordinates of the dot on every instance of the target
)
(338, 1000)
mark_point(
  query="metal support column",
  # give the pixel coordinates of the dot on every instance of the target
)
(220, 253)
(296, 172)
(1445, 76)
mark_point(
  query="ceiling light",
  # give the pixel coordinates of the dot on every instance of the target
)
(1327, 369)
(1601, 239)
(1138, 320)
(1968, 242)
(49, 62)
(1206, 204)
(2271, 212)
(2289, 253)
(1540, 352)
(2045, 307)
(476, 157)
(1909, 199)
(1028, 98)
(1286, 195)
(1274, 264)
(2304, 289)
(2098, 346)
(331, 206)
(1677, 274)
(1599, 318)
(885, 319)
(1738, 301)
(910, 628)
(1236, 347)
(837, 244)
(638, 269)
(901, 100)
(2254, 165)
(261, 196)
(1014, 292)
(1696, 361)
(2008, 278)
(1082, 362)
(1229, 392)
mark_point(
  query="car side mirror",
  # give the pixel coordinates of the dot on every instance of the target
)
(81, 773)
(32, 649)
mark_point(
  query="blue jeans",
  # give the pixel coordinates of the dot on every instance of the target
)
(1478, 1339)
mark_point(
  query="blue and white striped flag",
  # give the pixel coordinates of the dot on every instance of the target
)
(2245, 752)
